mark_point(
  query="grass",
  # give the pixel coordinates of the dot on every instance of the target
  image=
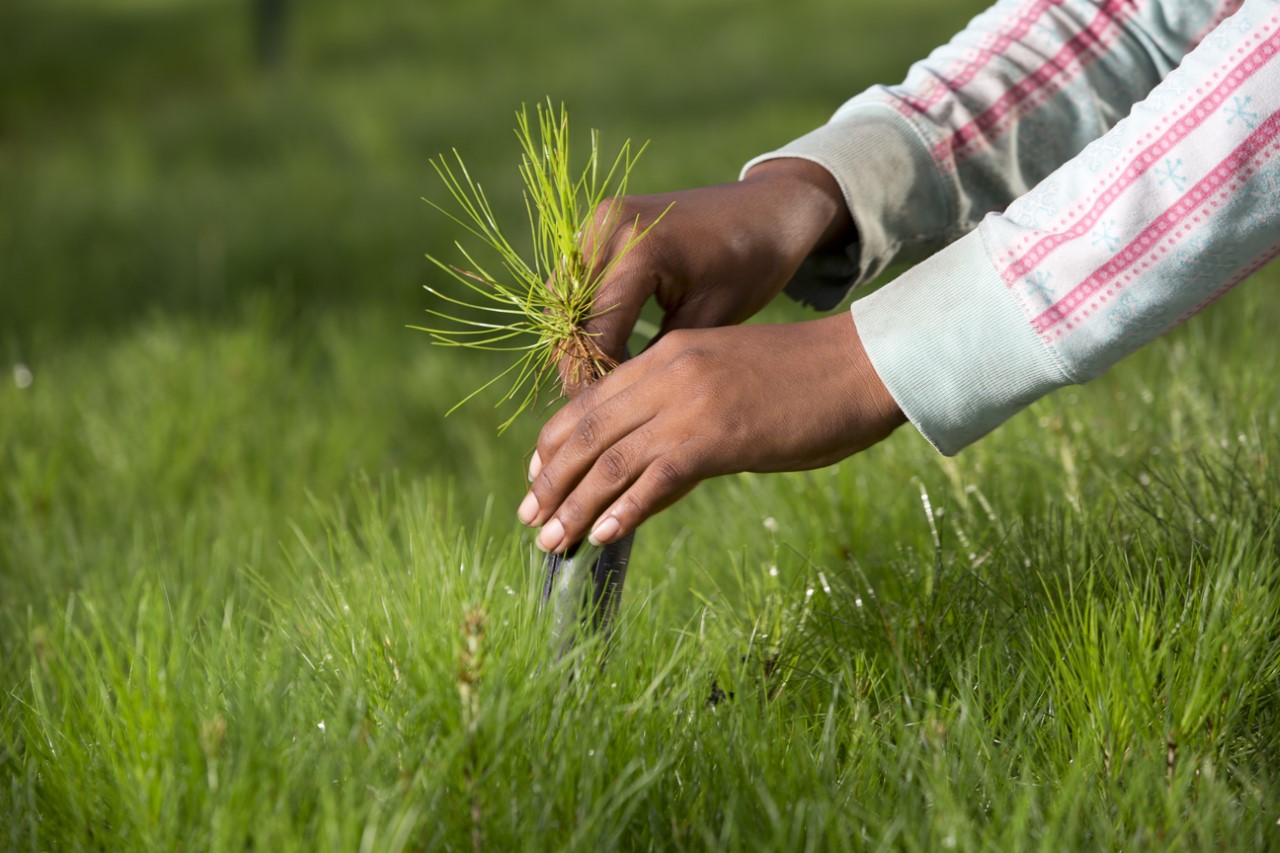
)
(256, 592)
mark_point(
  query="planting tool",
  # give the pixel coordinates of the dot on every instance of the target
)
(540, 306)
(584, 585)
(583, 588)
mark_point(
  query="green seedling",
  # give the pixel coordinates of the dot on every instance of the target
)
(535, 304)
(539, 307)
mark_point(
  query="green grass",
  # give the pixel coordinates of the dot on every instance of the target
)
(241, 553)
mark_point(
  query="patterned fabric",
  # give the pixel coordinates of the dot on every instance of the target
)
(1105, 170)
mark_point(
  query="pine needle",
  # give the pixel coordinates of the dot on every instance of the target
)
(539, 304)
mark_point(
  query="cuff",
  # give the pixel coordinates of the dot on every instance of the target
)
(954, 347)
(890, 184)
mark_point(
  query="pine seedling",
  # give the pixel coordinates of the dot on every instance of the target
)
(536, 305)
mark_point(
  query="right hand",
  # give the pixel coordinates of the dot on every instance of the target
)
(699, 404)
(720, 253)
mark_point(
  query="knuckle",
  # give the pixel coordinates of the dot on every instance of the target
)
(557, 429)
(546, 440)
(668, 473)
(545, 485)
(607, 214)
(605, 208)
(641, 440)
(692, 361)
(675, 341)
(571, 514)
(589, 430)
(631, 510)
(614, 465)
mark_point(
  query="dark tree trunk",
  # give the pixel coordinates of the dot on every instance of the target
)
(270, 26)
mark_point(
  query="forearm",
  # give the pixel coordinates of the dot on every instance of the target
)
(1169, 210)
(814, 215)
(1024, 88)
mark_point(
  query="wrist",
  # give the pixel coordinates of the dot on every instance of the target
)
(811, 211)
(871, 409)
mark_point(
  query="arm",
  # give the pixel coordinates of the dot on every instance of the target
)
(899, 170)
(1168, 210)
(1023, 89)
(1157, 218)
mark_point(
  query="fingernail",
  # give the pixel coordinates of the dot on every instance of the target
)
(551, 536)
(535, 465)
(528, 510)
(604, 532)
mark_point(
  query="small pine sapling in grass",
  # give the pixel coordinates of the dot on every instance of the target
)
(537, 305)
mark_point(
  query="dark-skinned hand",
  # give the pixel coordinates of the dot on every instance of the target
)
(697, 404)
(717, 256)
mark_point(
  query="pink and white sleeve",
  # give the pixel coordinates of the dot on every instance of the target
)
(1146, 225)
(1020, 91)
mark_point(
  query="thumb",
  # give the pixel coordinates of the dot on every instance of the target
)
(616, 307)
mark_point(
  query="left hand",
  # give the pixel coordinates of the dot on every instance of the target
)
(715, 255)
(697, 404)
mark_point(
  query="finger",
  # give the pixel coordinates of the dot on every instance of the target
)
(557, 430)
(611, 474)
(564, 465)
(626, 276)
(560, 426)
(701, 311)
(615, 309)
(666, 480)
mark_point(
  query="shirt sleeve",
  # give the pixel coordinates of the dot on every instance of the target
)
(1024, 88)
(1152, 221)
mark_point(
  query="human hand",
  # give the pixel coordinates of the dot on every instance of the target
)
(717, 256)
(697, 404)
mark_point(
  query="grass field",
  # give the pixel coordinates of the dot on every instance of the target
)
(256, 593)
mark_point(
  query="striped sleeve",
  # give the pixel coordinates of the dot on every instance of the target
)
(1161, 215)
(1024, 88)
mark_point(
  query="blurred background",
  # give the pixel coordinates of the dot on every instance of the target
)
(212, 232)
(182, 156)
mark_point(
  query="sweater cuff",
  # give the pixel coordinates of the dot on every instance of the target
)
(954, 347)
(890, 185)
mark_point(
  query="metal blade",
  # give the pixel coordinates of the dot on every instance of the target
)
(583, 587)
